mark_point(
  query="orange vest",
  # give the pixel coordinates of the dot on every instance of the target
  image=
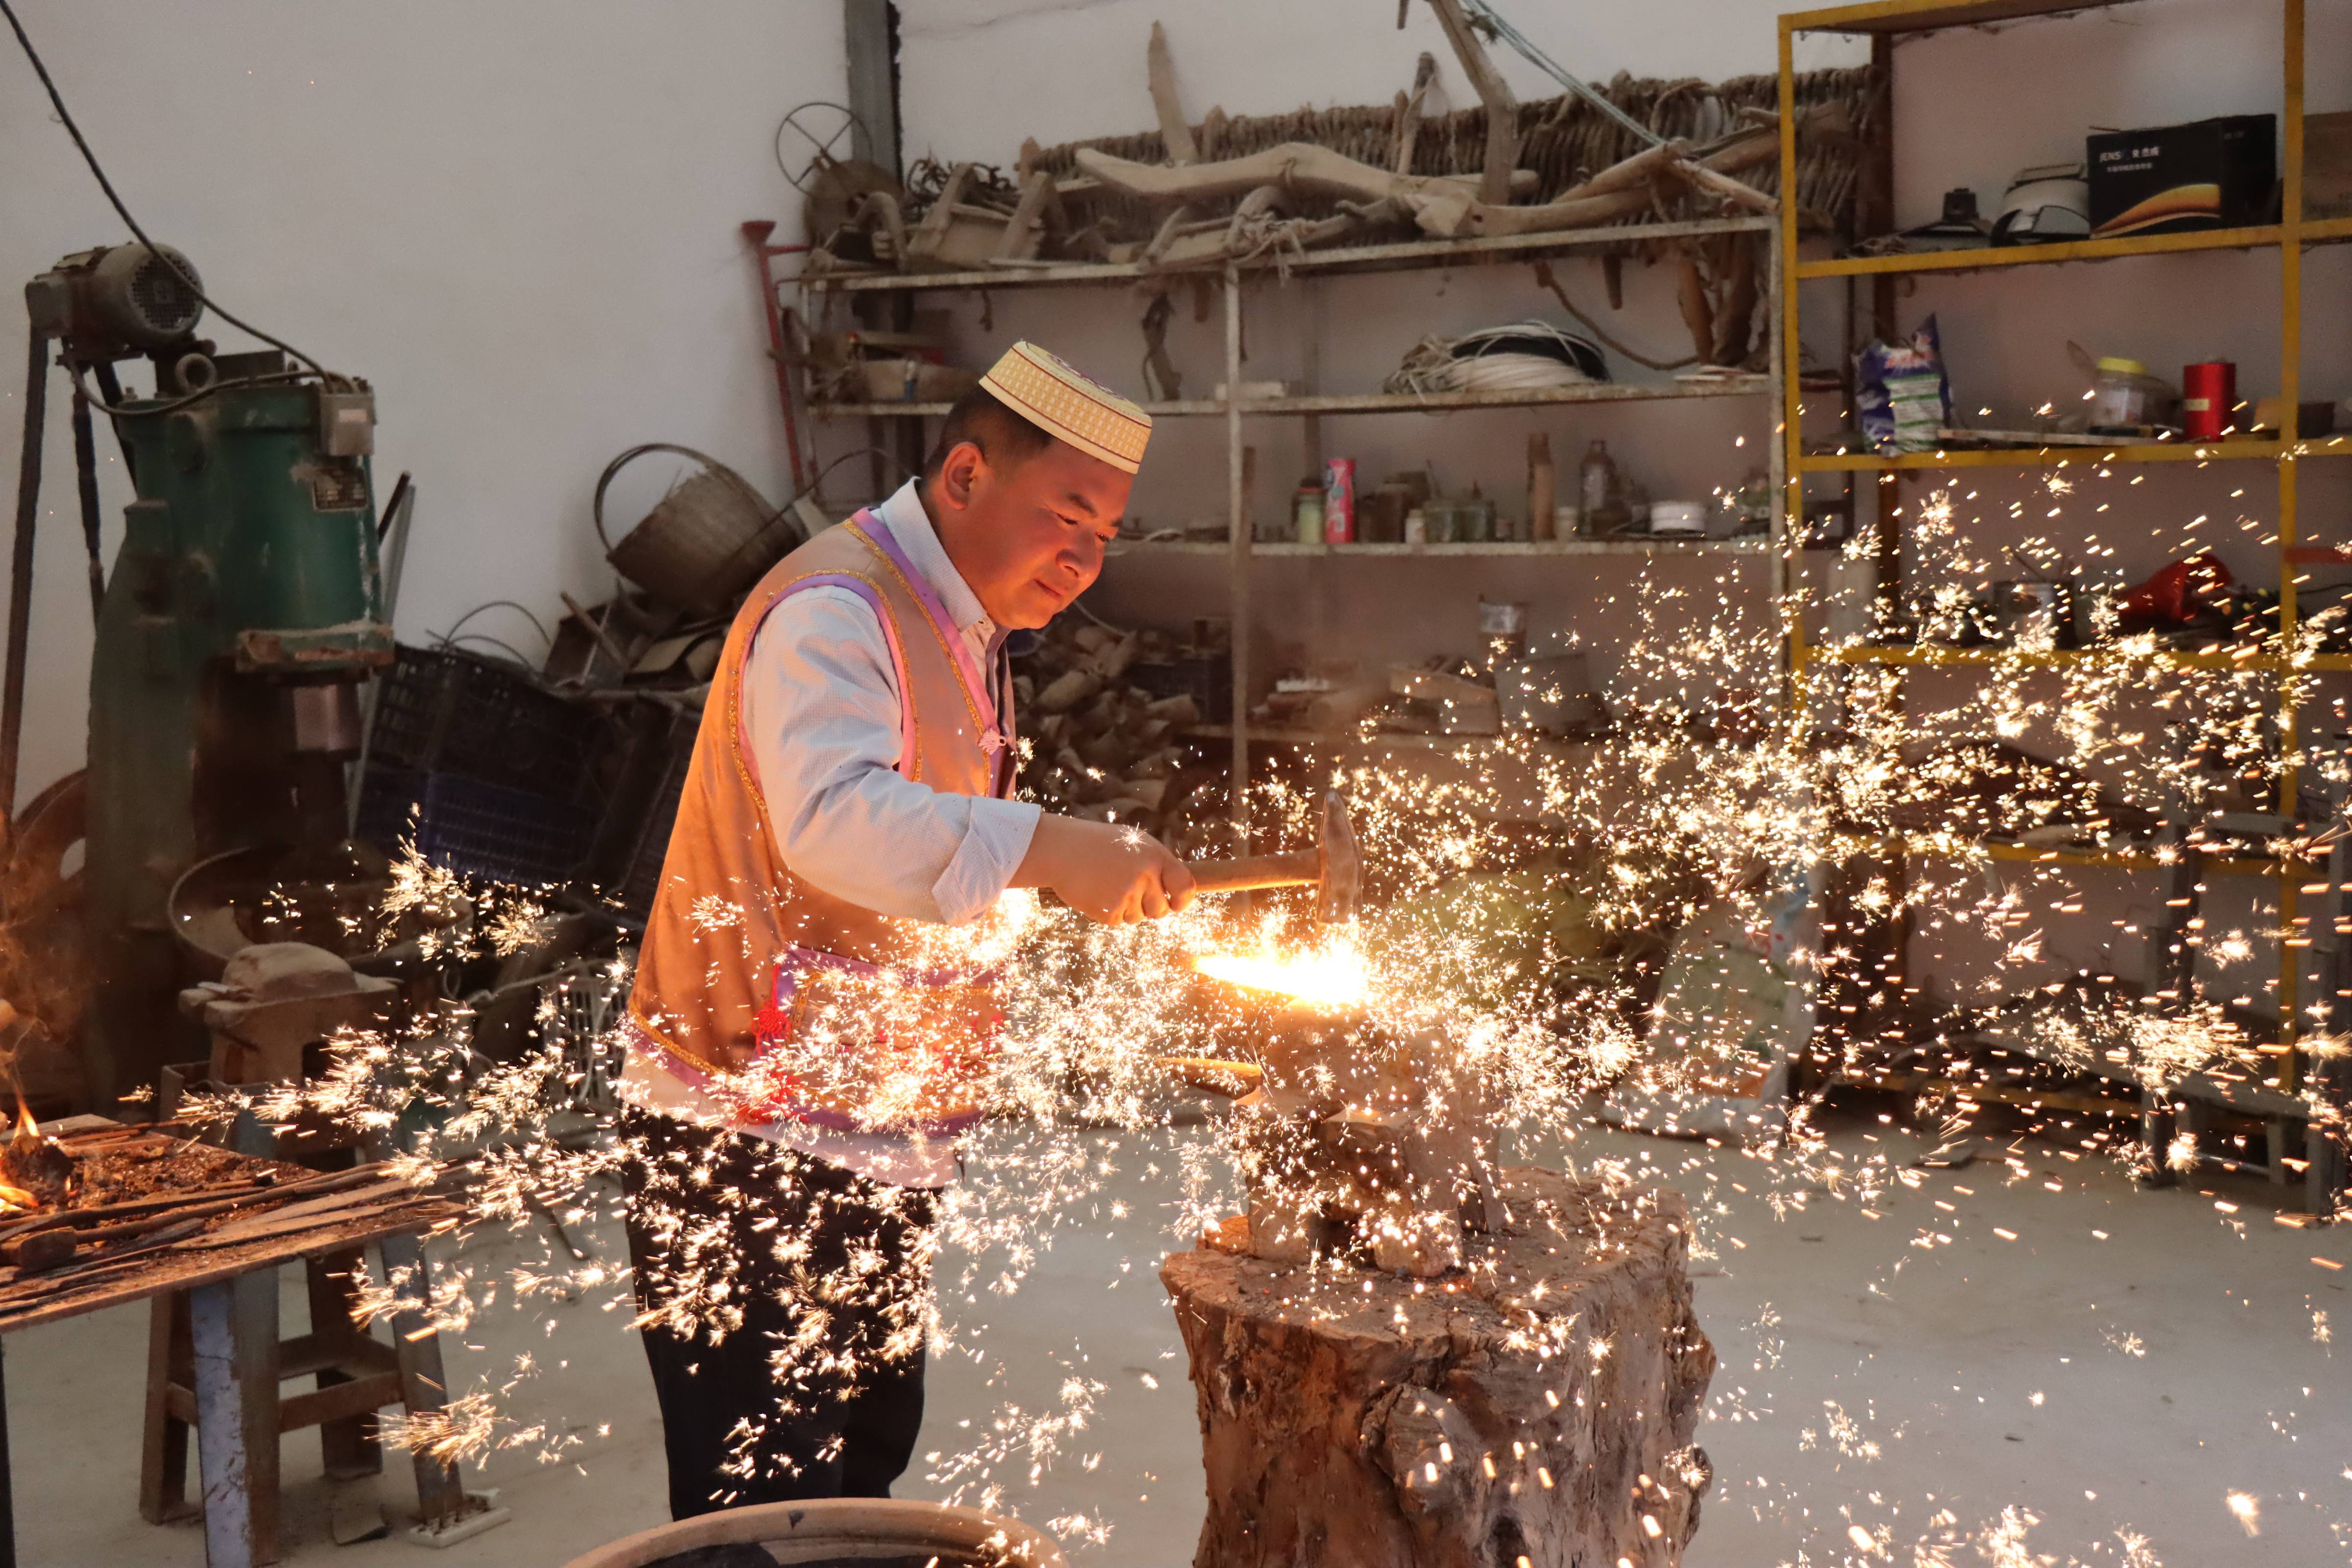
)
(777, 998)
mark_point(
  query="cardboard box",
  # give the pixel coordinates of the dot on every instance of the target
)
(2327, 165)
(2173, 179)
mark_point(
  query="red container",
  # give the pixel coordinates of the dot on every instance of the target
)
(1340, 500)
(2208, 392)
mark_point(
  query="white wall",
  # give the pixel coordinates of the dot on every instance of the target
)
(517, 219)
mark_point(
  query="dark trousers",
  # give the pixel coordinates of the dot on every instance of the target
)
(783, 1301)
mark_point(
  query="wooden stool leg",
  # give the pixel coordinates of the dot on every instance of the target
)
(164, 1447)
(234, 1327)
(440, 1494)
(348, 1442)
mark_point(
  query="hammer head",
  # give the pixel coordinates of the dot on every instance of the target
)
(1339, 872)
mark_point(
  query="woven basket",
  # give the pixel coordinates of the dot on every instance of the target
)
(705, 541)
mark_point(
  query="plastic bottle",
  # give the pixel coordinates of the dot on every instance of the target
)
(1599, 492)
(1306, 512)
(1543, 486)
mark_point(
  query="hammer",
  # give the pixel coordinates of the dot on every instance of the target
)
(1331, 867)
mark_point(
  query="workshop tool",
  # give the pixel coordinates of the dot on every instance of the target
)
(1331, 867)
(245, 609)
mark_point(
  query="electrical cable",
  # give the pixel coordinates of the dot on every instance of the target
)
(125, 411)
(523, 610)
(513, 654)
(1485, 16)
(186, 275)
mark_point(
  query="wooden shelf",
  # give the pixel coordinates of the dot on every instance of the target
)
(1381, 402)
(2165, 658)
(1750, 544)
(2061, 456)
(1928, 16)
(1339, 259)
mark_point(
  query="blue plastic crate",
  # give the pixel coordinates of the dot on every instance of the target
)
(477, 829)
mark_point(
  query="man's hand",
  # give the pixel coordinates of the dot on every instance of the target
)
(1115, 875)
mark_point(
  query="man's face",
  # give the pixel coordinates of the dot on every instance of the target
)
(1030, 540)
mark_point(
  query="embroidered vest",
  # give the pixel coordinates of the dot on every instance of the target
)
(782, 999)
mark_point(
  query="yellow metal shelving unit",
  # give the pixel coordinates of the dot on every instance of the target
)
(1883, 21)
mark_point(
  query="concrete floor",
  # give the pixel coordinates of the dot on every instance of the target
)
(1911, 1392)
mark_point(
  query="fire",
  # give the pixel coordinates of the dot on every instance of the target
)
(1333, 977)
(35, 1173)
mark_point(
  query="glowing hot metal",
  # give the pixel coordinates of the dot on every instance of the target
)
(1335, 977)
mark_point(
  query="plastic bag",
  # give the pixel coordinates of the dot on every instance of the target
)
(1905, 395)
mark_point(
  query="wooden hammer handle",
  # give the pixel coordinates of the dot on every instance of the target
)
(1300, 869)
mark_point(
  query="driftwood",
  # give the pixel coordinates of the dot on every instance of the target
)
(1408, 112)
(1441, 205)
(1173, 128)
(1502, 109)
(1537, 1407)
(1296, 166)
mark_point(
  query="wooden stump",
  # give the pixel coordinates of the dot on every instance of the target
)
(1536, 1408)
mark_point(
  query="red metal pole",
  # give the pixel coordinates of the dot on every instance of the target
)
(757, 232)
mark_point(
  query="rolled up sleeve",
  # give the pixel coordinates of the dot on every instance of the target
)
(821, 714)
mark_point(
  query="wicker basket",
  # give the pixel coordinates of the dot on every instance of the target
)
(706, 542)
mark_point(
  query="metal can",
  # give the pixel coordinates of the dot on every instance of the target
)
(2209, 394)
(1340, 500)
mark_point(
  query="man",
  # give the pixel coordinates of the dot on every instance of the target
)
(808, 1017)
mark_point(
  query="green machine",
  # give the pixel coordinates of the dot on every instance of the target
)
(242, 614)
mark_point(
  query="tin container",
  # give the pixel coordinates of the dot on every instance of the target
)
(1340, 500)
(2209, 392)
(1503, 627)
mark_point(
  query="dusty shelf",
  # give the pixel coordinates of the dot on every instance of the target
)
(2063, 457)
(1929, 16)
(1338, 259)
(1381, 402)
(1750, 545)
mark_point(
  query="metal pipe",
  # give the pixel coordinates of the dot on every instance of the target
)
(1239, 541)
(86, 481)
(20, 572)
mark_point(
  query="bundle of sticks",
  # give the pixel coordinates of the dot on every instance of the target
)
(220, 1212)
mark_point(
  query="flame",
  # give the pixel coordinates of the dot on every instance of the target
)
(1333, 977)
(26, 1126)
(17, 1197)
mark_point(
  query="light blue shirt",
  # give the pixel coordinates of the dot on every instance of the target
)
(820, 711)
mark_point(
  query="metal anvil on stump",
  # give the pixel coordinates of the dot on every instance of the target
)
(1539, 1405)
(1360, 1141)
